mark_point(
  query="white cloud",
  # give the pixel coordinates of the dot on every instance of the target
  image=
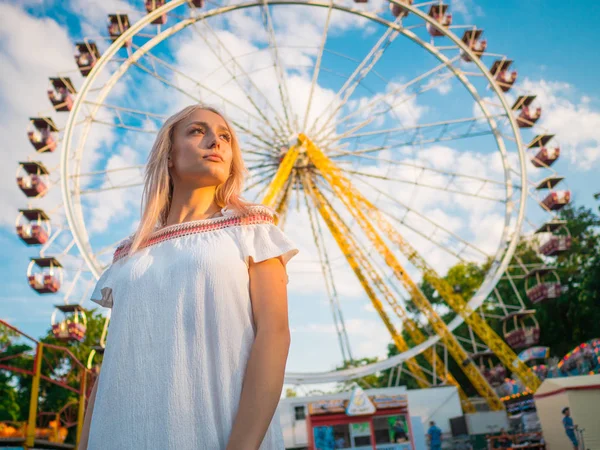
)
(573, 120)
(34, 49)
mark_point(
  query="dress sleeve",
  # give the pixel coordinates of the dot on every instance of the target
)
(264, 241)
(103, 291)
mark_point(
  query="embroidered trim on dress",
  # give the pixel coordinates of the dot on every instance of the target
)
(262, 215)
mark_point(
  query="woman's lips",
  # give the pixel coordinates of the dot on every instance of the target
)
(214, 158)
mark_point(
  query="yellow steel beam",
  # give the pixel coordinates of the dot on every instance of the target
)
(494, 342)
(283, 200)
(343, 188)
(35, 393)
(414, 331)
(281, 177)
(363, 270)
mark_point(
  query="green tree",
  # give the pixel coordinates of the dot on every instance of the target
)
(15, 387)
(564, 322)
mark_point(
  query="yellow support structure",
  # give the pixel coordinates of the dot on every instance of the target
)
(363, 270)
(350, 197)
(35, 393)
(488, 336)
(411, 327)
(281, 177)
(282, 204)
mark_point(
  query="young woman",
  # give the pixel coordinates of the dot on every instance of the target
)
(199, 334)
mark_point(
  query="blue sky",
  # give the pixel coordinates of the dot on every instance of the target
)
(548, 40)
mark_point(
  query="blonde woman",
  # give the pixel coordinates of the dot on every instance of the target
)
(199, 333)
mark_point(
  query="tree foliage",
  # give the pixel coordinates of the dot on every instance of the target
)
(15, 387)
(565, 322)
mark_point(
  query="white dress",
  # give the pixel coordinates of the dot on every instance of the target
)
(180, 334)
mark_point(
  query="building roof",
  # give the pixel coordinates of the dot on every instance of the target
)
(552, 386)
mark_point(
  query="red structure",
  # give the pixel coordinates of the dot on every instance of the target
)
(397, 11)
(439, 13)
(473, 40)
(521, 329)
(32, 178)
(86, 56)
(500, 72)
(555, 200)
(529, 115)
(117, 25)
(41, 134)
(489, 366)
(387, 422)
(33, 226)
(151, 5)
(61, 94)
(544, 155)
(542, 284)
(40, 365)
(45, 275)
(74, 324)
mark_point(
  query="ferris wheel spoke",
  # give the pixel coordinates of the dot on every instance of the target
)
(372, 116)
(358, 75)
(138, 168)
(419, 230)
(280, 131)
(390, 99)
(437, 228)
(446, 187)
(326, 270)
(317, 68)
(201, 85)
(262, 166)
(424, 168)
(239, 125)
(415, 140)
(111, 188)
(291, 120)
(262, 176)
(440, 131)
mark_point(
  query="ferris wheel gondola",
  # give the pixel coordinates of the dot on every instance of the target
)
(61, 94)
(33, 178)
(559, 239)
(45, 275)
(33, 226)
(545, 156)
(72, 326)
(42, 134)
(117, 25)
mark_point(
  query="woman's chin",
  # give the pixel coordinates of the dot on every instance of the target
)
(205, 177)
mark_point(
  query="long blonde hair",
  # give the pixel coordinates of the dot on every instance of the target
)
(158, 185)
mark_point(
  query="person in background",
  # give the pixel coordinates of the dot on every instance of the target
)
(570, 427)
(503, 440)
(435, 436)
(399, 432)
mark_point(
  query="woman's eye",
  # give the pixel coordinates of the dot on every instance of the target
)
(226, 137)
(194, 130)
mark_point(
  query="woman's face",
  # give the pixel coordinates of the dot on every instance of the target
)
(201, 153)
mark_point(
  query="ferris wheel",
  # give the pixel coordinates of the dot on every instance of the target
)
(392, 142)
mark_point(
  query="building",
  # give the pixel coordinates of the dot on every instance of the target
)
(582, 395)
(439, 404)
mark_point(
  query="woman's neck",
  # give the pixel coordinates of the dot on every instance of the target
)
(195, 204)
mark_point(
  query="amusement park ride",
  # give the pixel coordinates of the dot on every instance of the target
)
(326, 169)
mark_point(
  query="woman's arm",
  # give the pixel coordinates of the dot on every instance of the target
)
(85, 429)
(263, 379)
